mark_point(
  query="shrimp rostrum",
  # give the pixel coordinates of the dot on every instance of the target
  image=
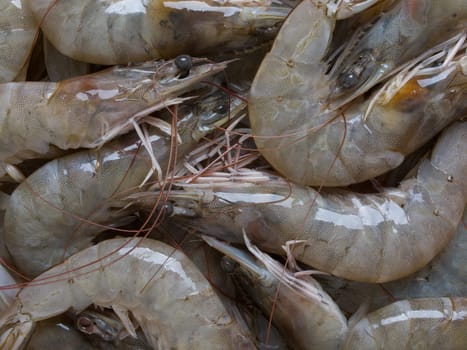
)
(117, 32)
(290, 114)
(89, 110)
(363, 237)
(169, 298)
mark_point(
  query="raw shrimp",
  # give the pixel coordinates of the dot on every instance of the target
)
(431, 323)
(363, 139)
(400, 34)
(44, 218)
(209, 261)
(17, 30)
(445, 276)
(87, 111)
(121, 31)
(169, 298)
(362, 237)
(306, 315)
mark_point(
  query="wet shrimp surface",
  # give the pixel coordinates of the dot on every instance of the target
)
(247, 174)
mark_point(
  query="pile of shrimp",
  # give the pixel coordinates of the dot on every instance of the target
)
(241, 174)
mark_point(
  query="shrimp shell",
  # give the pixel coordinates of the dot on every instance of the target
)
(121, 31)
(431, 323)
(170, 299)
(17, 30)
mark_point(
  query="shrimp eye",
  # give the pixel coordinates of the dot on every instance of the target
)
(228, 265)
(358, 71)
(349, 80)
(221, 108)
(85, 325)
(184, 63)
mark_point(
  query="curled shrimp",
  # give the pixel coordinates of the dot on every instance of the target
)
(431, 323)
(301, 309)
(444, 276)
(121, 31)
(362, 237)
(398, 35)
(168, 297)
(366, 138)
(90, 186)
(89, 110)
(17, 30)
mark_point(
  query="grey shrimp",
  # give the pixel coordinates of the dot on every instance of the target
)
(362, 237)
(17, 30)
(122, 31)
(90, 186)
(164, 292)
(292, 123)
(431, 323)
(444, 276)
(302, 310)
(89, 110)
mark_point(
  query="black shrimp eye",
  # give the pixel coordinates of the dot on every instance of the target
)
(228, 265)
(184, 63)
(221, 108)
(349, 80)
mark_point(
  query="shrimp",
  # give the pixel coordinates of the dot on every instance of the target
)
(363, 139)
(402, 33)
(87, 111)
(362, 237)
(431, 323)
(122, 31)
(209, 261)
(176, 308)
(445, 276)
(17, 31)
(90, 185)
(303, 311)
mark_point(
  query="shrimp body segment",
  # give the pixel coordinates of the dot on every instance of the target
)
(122, 31)
(289, 113)
(17, 30)
(87, 111)
(431, 323)
(362, 237)
(169, 298)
